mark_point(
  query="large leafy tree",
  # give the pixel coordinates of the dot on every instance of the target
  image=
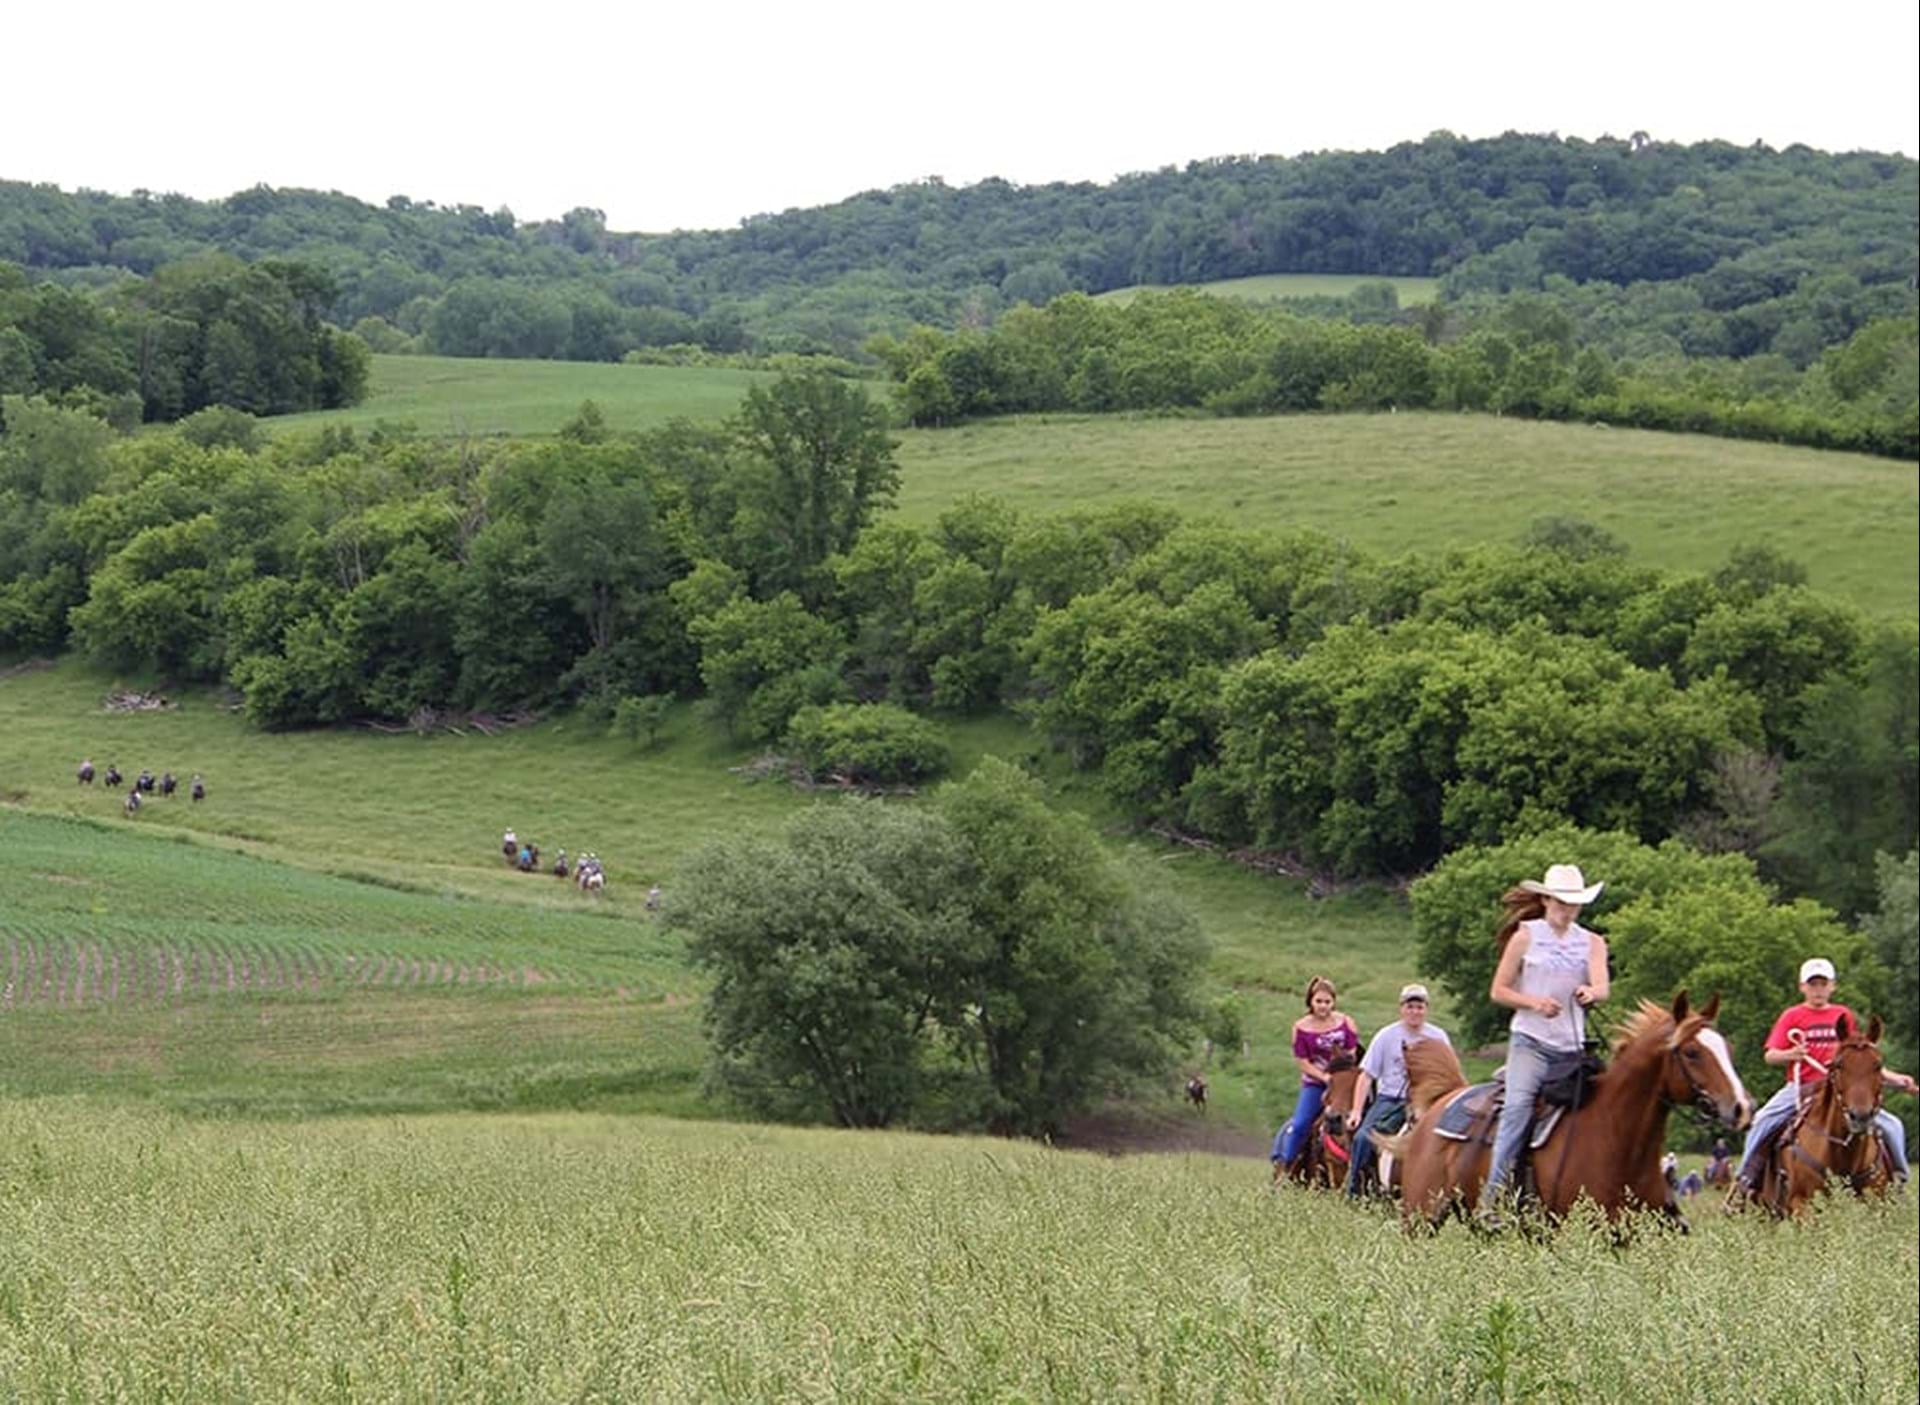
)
(1081, 984)
(824, 465)
(837, 949)
(980, 961)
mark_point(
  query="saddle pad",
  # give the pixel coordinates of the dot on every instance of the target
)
(1476, 1113)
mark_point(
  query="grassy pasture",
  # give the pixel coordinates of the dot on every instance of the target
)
(1386, 482)
(1431, 481)
(1265, 287)
(290, 816)
(465, 395)
(568, 1257)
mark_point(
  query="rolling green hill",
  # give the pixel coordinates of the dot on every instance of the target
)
(423, 815)
(1386, 482)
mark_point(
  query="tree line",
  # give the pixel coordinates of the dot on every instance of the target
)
(1703, 249)
(213, 331)
(1518, 355)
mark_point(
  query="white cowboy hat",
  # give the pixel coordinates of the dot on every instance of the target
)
(1565, 882)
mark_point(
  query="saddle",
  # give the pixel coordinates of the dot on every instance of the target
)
(1474, 1116)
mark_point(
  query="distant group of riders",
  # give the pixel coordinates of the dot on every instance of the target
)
(1557, 1124)
(587, 871)
(146, 783)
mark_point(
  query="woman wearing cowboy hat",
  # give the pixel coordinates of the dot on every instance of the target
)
(1551, 969)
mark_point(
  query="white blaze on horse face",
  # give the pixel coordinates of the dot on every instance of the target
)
(1717, 1042)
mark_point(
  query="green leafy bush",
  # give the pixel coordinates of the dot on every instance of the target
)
(868, 743)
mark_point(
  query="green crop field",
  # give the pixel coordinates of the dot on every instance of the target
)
(1434, 481)
(1265, 287)
(459, 395)
(567, 1257)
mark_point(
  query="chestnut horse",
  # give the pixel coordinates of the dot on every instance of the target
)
(1608, 1150)
(1323, 1161)
(1833, 1135)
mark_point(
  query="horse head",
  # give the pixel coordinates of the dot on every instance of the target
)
(1854, 1077)
(1700, 1067)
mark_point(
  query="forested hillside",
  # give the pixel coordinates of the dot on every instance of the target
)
(1702, 250)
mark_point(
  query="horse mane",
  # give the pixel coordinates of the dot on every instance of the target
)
(1433, 1071)
(1648, 1022)
(1343, 1061)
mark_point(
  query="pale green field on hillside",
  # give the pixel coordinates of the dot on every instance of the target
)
(1389, 483)
(573, 1258)
(1265, 287)
(463, 395)
(1432, 481)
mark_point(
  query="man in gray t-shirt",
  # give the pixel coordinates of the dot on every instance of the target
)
(1384, 1070)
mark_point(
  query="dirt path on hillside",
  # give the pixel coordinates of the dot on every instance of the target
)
(1134, 1133)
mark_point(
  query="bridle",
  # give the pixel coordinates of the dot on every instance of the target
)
(1856, 1129)
(1699, 1098)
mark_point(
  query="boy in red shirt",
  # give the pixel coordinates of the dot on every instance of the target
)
(1803, 1039)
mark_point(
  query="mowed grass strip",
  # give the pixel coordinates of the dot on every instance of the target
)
(443, 395)
(582, 1257)
(1432, 482)
(1265, 287)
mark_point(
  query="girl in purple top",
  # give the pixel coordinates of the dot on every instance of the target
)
(1318, 1036)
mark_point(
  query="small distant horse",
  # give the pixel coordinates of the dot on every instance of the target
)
(653, 898)
(144, 781)
(1719, 1170)
(560, 866)
(168, 784)
(510, 846)
(199, 790)
(1607, 1150)
(1197, 1092)
(1323, 1161)
(133, 803)
(113, 775)
(529, 858)
(1834, 1133)
(85, 773)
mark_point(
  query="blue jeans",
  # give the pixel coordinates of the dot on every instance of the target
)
(1779, 1108)
(1526, 1070)
(1363, 1148)
(1306, 1112)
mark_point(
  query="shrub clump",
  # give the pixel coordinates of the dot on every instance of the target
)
(867, 743)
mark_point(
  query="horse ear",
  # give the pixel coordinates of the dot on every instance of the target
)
(1843, 1026)
(1875, 1027)
(1711, 1008)
(1680, 1007)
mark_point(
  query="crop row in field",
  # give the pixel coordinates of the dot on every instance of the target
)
(57, 971)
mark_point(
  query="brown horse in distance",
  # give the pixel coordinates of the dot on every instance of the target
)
(1833, 1135)
(1608, 1150)
(1322, 1163)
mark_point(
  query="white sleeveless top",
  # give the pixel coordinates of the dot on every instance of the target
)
(1552, 966)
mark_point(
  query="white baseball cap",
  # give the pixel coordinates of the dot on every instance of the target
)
(1415, 991)
(1816, 966)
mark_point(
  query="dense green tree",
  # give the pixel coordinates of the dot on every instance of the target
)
(1078, 986)
(837, 951)
(823, 465)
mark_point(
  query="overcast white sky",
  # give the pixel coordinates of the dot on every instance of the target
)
(689, 115)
